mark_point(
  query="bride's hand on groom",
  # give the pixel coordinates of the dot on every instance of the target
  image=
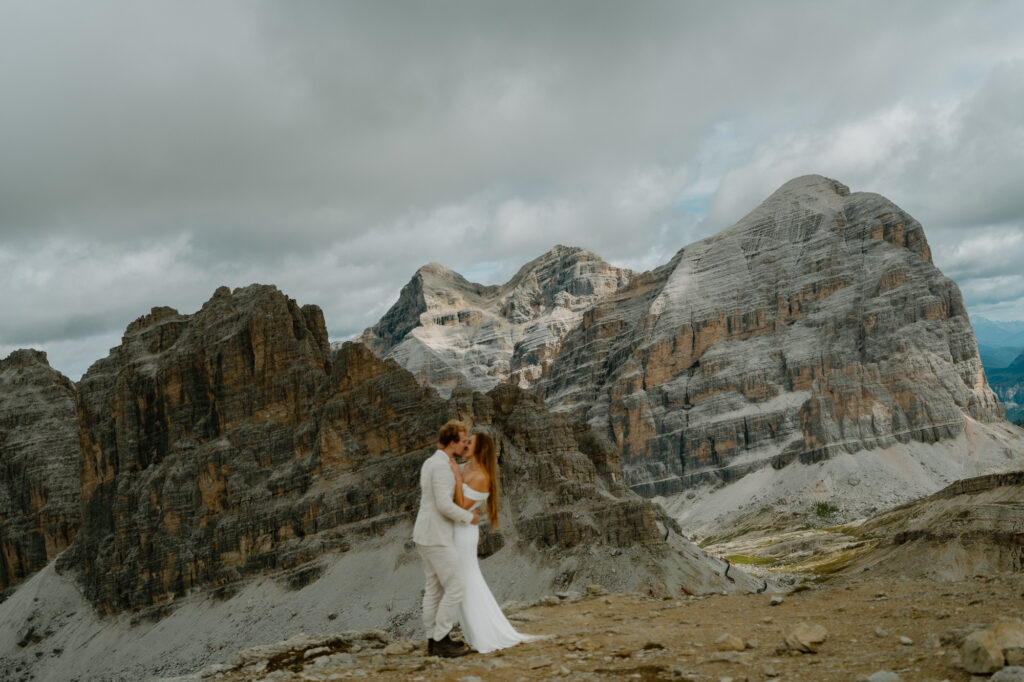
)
(457, 472)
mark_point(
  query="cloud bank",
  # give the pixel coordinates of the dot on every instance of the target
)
(150, 152)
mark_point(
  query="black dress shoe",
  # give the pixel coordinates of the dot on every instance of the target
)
(430, 647)
(449, 648)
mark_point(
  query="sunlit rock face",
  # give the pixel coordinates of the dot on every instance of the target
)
(449, 332)
(229, 443)
(39, 491)
(816, 325)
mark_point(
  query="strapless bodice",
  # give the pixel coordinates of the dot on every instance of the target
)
(476, 495)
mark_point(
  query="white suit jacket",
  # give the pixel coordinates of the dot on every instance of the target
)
(438, 512)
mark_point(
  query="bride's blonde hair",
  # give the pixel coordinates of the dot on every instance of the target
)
(488, 458)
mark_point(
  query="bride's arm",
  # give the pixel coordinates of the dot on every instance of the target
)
(460, 499)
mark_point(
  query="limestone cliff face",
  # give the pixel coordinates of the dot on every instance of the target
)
(227, 443)
(816, 325)
(39, 491)
(191, 431)
(449, 332)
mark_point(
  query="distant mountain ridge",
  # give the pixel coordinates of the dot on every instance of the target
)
(999, 342)
(997, 357)
(1008, 384)
(816, 326)
(999, 332)
(1001, 347)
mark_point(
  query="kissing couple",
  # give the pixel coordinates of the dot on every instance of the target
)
(446, 535)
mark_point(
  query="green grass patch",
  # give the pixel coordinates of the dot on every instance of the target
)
(751, 560)
(824, 510)
(841, 530)
(826, 570)
(834, 566)
(718, 539)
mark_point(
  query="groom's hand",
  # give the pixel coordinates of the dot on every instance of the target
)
(476, 516)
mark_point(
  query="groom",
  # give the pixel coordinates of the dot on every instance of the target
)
(434, 538)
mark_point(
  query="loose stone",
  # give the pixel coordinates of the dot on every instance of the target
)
(727, 642)
(882, 676)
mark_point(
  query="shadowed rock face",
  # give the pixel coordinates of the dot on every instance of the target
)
(39, 491)
(229, 442)
(190, 430)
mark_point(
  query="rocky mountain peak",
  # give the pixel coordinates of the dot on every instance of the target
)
(813, 208)
(792, 332)
(813, 187)
(156, 315)
(435, 269)
(568, 277)
(24, 357)
(807, 194)
(450, 332)
(815, 326)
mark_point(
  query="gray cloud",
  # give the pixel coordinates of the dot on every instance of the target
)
(151, 152)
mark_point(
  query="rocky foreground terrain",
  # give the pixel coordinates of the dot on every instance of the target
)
(906, 595)
(912, 629)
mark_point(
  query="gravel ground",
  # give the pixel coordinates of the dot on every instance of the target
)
(910, 627)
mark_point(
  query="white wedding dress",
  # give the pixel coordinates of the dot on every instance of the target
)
(484, 626)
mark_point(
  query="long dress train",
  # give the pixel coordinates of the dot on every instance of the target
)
(484, 626)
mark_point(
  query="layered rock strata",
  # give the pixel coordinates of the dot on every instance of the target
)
(229, 442)
(192, 430)
(39, 491)
(816, 325)
(971, 528)
(452, 333)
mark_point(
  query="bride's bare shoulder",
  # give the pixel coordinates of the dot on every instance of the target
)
(478, 480)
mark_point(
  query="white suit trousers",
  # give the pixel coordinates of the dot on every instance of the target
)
(444, 590)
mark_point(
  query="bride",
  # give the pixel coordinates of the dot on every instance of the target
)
(484, 626)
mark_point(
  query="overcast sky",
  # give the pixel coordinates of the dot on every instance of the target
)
(153, 151)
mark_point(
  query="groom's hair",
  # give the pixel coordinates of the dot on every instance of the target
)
(451, 432)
